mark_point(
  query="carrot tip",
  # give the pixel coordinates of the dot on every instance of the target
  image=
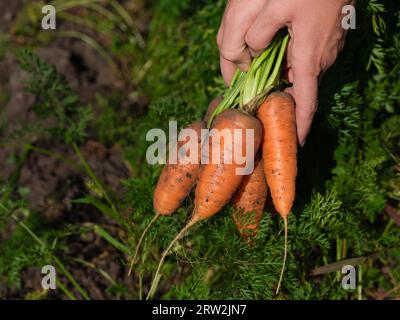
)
(181, 233)
(285, 221)
(133, 260)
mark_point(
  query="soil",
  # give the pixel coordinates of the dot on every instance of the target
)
(54, 180)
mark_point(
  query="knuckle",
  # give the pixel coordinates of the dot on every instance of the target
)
(253, 42)
(231, 55)
(307, 62)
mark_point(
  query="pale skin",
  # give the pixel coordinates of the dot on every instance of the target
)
(316, 38)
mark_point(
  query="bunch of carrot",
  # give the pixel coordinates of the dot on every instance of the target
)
(251, 102)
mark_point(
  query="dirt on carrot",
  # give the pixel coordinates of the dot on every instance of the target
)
(249, 201)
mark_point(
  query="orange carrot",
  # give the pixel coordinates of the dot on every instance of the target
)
(211, 107)
(218, 181)
(249, 201)
(174, 184)
(277, 115)
(176, 180)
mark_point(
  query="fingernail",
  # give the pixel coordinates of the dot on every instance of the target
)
(302, 143)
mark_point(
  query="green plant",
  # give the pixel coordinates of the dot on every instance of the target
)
(348, 170)
(339, 210)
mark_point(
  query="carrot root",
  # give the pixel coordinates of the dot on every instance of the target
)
(179, 236)
(285, 221)
(133, 260)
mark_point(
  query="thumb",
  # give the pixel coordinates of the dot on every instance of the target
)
(305, 93)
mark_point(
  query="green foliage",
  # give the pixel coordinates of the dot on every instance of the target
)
(376, 9)
(340, 216)
(21, 250)
(106, 26)
(345, 115)
(33, 242)
(183, 51)
(343, 219)
(56, 99)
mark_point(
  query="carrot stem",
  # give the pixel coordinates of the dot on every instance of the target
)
(263, 74)
(165, 253)
(274, 79)
(133, 260)
(285, 221)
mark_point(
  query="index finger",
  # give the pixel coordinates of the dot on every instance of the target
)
(238, 18)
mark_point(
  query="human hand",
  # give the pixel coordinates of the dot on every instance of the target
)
(316, 38)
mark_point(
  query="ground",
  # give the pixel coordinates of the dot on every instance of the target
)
(52, 181)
